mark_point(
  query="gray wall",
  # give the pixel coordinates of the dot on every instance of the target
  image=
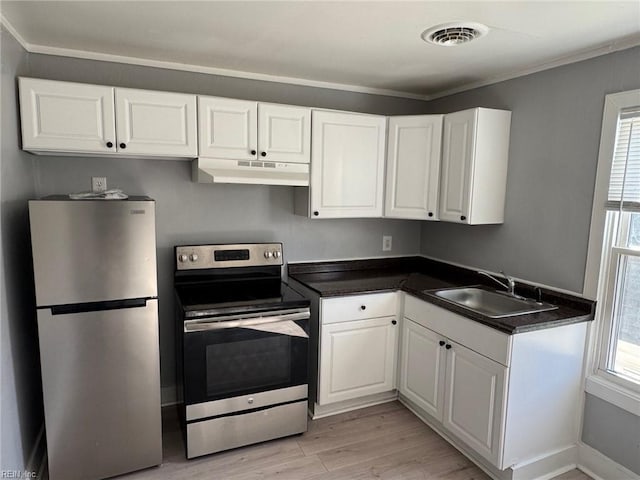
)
(20, 395)
(193, 213)
(612, 431)
(555, 134)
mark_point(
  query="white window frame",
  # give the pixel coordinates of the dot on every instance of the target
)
(599, 282)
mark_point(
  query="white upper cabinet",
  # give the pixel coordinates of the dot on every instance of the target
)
(347, 168)
(475, 153)
(227, 128)
(156, 123)
(245, 130)
(413, 167)
(284, 133)
(71, 117)
(75, 118)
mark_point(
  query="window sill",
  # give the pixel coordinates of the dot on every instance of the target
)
(613, 393)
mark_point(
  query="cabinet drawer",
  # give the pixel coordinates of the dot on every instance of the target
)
(482, 339)
(358, 307)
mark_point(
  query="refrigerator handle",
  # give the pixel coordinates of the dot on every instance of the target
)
(98, 306)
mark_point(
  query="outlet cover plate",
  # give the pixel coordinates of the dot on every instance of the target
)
(98, 184)
(386, 243)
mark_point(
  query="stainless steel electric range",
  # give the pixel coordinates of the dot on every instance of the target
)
(243, 338)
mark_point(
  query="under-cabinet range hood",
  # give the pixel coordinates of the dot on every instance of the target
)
(213, 170)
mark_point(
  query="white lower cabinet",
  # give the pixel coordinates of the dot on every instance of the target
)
(422, 367)
(357, 359)
(457, 386)
(474, 400)
(508, 399)
(358, 347)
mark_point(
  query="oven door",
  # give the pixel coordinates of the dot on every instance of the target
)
(235, 355)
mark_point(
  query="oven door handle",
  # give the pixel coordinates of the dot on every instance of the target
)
(220, 323)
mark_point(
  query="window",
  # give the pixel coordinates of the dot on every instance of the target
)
(613, 265)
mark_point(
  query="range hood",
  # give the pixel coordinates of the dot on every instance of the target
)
(214, 170)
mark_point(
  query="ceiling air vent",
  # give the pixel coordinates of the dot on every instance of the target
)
(453, 34)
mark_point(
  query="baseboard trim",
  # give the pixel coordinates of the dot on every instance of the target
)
(600, 467)
(548, 466)
(321, 411)
(37, 461)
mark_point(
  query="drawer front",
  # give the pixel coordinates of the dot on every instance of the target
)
(359, 307)
(482, 339)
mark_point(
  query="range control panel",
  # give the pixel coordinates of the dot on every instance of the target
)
(193, 257)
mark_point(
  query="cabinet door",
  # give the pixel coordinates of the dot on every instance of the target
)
(156, 123)
(347, 165)
(69, 117)
(413, 167)
(422, 367)
(356, 359)
(284, 133)
(227, 128)
(457, 164)
(474, 402)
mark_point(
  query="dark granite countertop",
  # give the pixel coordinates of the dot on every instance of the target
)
(417, 276)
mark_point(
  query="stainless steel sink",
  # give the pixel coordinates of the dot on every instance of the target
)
(489, 303)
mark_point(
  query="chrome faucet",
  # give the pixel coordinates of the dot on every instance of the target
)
(509, 283)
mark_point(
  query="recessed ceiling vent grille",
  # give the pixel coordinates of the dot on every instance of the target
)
(453, 34)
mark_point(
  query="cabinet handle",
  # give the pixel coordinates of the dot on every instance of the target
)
(253, 152)
(442, 342)
(264, 154)
(109, 144)
(463, 218)
(316, 213)
(363, 307)
(448, 347)
(393, 322)
(123, 145)
(431, 214)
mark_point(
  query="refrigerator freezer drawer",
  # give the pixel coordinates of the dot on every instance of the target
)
(92, 251)
(101, 387)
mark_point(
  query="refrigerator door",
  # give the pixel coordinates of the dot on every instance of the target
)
(101, 387)
(93, 251)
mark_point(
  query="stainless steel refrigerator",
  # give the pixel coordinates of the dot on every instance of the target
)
(94, 265)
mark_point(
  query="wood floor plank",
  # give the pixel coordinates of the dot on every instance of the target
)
(367, 450)
(322, 424)
(382, 442)
(437, 456)
(298, 469)
(224, 464)
(358, 429)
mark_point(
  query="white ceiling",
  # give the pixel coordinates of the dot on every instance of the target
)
(362, 46)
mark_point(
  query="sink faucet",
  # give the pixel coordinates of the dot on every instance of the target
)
(509, 283)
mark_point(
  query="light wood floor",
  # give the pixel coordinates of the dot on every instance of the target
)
(382, 442)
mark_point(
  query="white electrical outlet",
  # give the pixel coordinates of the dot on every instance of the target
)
(386, 243)
(98, 184)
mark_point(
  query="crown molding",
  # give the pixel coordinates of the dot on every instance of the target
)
(11, 29)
